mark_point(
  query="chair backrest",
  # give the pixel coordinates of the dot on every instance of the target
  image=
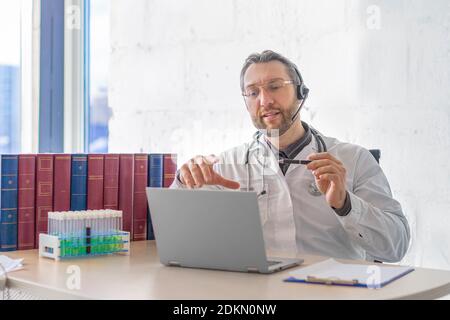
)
(376, 154)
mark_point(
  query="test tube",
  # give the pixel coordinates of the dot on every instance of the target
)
(50, 223)
(63, 225)
(104, 221)
(77, 242)
(88, 227)
(69, 233)
(94, 232)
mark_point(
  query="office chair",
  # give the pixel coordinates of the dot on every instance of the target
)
(376, 154)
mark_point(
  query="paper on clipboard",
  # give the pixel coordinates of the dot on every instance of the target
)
(332, 272)
(10, 264)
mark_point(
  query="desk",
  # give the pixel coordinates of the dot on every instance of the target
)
(141, 276)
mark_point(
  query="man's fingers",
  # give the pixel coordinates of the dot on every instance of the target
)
(186, 177)
(199, 171)
(212, 159)
(196, 174)
(326, 169)
(318, 163)
(207, 172)
(324, 165)
(205, 165)
(230, 184)
(330, 177)
(323, 155)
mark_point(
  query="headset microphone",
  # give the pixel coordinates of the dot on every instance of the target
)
(298, 110)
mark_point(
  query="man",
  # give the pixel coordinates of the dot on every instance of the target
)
(337, 204)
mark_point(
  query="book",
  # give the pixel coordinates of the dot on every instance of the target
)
(126, 167)
(78, 183)
(111, 182)
(170, 169)
(155, 179)
(61, 182)
(44, 193)
(139, 197)
(26, 201)
(8, 202)
(95, 181)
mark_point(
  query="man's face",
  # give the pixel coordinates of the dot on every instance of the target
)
(273, 107)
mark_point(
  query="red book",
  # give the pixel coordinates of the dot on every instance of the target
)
(61, 182)
(139, 197)
(44, 192)
(170, 168)
(111, 182)
(95, 181)
(126, 190)
(25, 201)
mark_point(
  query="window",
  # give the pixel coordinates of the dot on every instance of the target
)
(18, 120)
(99, 109)
(10, 12)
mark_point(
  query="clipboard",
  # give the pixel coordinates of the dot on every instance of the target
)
(330, 272)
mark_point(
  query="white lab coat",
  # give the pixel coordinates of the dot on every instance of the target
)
(296, 221)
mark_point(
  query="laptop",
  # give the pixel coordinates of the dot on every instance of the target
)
(211, 230)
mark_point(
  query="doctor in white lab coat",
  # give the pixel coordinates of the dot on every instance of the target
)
(338, 205)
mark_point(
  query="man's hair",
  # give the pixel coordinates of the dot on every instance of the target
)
(267, 56)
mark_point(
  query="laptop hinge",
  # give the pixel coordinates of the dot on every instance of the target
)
(252, 270)
(174, 263)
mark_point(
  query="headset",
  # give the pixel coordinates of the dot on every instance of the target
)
(302, 92)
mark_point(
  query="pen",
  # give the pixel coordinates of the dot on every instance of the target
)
(331, 281)
(289, 161)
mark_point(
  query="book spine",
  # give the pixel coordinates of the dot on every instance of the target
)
(139, 197)
(155, 179)
(8, 202)
(126, 164)
(170, 168)
(44, 192)
(26, 202)
(111, 182)
(78, 185)
(61, 182)
(95, 165)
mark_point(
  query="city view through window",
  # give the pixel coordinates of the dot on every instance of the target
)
(99, 110)
(10, 76)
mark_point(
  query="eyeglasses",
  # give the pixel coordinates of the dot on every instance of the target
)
(273, 87)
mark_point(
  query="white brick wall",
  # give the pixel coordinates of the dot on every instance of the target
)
(174, 86)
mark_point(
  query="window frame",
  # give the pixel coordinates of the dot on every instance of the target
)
(76, 83)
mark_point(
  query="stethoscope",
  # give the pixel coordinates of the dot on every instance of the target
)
(312, 188)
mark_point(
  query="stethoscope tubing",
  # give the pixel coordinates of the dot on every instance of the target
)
(321, 146)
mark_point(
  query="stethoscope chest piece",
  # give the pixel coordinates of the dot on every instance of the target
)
(313, 190)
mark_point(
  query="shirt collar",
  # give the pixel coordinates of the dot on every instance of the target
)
(291, 151)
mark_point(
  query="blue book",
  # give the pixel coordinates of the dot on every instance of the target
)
(155, 179)
(78, 182)
(8, 202)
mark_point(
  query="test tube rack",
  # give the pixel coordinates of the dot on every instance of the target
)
(60, 247)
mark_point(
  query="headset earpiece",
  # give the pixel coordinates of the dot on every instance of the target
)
(302, 90)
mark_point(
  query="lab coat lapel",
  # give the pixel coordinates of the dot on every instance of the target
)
(280, 230)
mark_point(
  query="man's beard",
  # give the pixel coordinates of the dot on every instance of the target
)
(285, 125)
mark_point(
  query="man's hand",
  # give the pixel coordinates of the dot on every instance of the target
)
(329, 174)
(198, 172)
